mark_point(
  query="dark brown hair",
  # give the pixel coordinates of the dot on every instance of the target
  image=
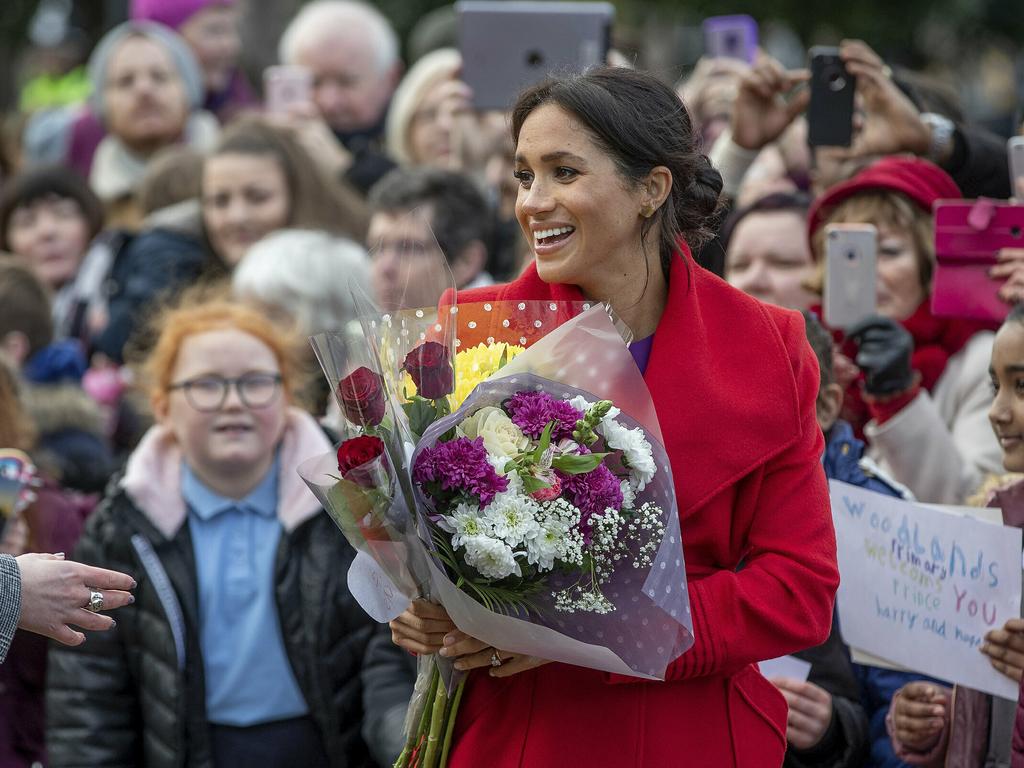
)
(45, 182)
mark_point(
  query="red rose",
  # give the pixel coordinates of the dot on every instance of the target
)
(430, 367)
(362, 397)
(355, 454)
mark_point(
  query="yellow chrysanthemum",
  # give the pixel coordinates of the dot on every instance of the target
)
(475, 364)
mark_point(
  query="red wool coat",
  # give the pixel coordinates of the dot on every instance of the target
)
(734, 383)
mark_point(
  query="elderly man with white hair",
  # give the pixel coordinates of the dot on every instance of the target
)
(352, 52)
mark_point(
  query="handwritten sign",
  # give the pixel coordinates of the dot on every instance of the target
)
(921, 587)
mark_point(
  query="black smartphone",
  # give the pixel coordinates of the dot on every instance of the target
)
(830, 115)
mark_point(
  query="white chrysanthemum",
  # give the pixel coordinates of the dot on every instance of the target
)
(513, 517)
(491, 557)
(637, 454)
(466, 521)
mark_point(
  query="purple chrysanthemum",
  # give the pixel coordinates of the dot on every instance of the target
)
(531, 412)
(592, 493)
(460, 465)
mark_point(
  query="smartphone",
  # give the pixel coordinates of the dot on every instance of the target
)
(1015, 153)
(507, 45)
(286, 86)
(830, 115)
(731, 37)
(851, 257)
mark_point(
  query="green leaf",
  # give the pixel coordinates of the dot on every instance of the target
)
(577, 465)
(421, 414)
(503, 360)
(545, 442)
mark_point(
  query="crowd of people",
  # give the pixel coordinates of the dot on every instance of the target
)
(170, 242)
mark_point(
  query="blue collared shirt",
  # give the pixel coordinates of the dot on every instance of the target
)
(249, 679)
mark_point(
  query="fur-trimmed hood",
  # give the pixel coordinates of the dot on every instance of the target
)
(56, 407)
(152, 478)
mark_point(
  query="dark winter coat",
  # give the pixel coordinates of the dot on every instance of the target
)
(134, 696)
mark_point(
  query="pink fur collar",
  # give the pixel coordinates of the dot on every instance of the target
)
(152, 477)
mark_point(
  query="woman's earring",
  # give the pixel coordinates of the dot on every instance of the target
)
(647, 211)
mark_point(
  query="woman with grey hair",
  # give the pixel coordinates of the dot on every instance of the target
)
(307, 279)
(147, 89)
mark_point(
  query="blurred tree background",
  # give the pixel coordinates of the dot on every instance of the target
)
(975, 45)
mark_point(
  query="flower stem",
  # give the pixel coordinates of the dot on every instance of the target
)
(413, 743)
(453, 712)
(436, 721)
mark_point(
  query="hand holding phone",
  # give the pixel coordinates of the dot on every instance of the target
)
(850, 293)
(285, 87)
(830, 116)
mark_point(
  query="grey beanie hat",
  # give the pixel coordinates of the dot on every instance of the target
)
(181, 55)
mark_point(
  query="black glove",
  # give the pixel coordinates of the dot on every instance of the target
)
(884, 351)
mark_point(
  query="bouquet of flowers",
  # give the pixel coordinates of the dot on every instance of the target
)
(523, 486)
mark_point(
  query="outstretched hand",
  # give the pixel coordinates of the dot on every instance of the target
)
(55, 591)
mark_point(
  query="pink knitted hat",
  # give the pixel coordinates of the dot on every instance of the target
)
(170, 13)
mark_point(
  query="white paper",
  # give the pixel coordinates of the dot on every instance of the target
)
(785, 666)
(920, 587)
(373, 590)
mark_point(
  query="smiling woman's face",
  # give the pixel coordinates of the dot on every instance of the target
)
(579, 214)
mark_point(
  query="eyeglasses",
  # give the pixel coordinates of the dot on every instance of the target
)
(209, 393)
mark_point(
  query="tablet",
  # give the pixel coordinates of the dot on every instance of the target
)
(508, 45)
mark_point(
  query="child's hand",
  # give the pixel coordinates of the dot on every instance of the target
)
(919, 714)
(1005, 649)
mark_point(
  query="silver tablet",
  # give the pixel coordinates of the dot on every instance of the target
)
(508, 45)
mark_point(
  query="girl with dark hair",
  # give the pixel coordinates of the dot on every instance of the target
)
(613, 194)
(931, 725)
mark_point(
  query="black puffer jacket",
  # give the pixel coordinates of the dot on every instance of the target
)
(134, 696)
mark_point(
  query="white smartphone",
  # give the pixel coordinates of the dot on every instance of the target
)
(851, 255)
(1015, 153)
(285, 86)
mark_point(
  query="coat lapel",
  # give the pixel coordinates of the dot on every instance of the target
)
(725, 406)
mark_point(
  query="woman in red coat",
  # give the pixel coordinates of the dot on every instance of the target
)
(610, 186)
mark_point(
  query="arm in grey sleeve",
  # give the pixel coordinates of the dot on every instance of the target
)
(10, 602)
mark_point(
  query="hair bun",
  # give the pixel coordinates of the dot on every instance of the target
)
(705, 189)
(699, 217)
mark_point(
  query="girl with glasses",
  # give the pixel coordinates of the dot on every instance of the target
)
(244, 646)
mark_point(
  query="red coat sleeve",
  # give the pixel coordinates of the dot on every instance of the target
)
(780, 598)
